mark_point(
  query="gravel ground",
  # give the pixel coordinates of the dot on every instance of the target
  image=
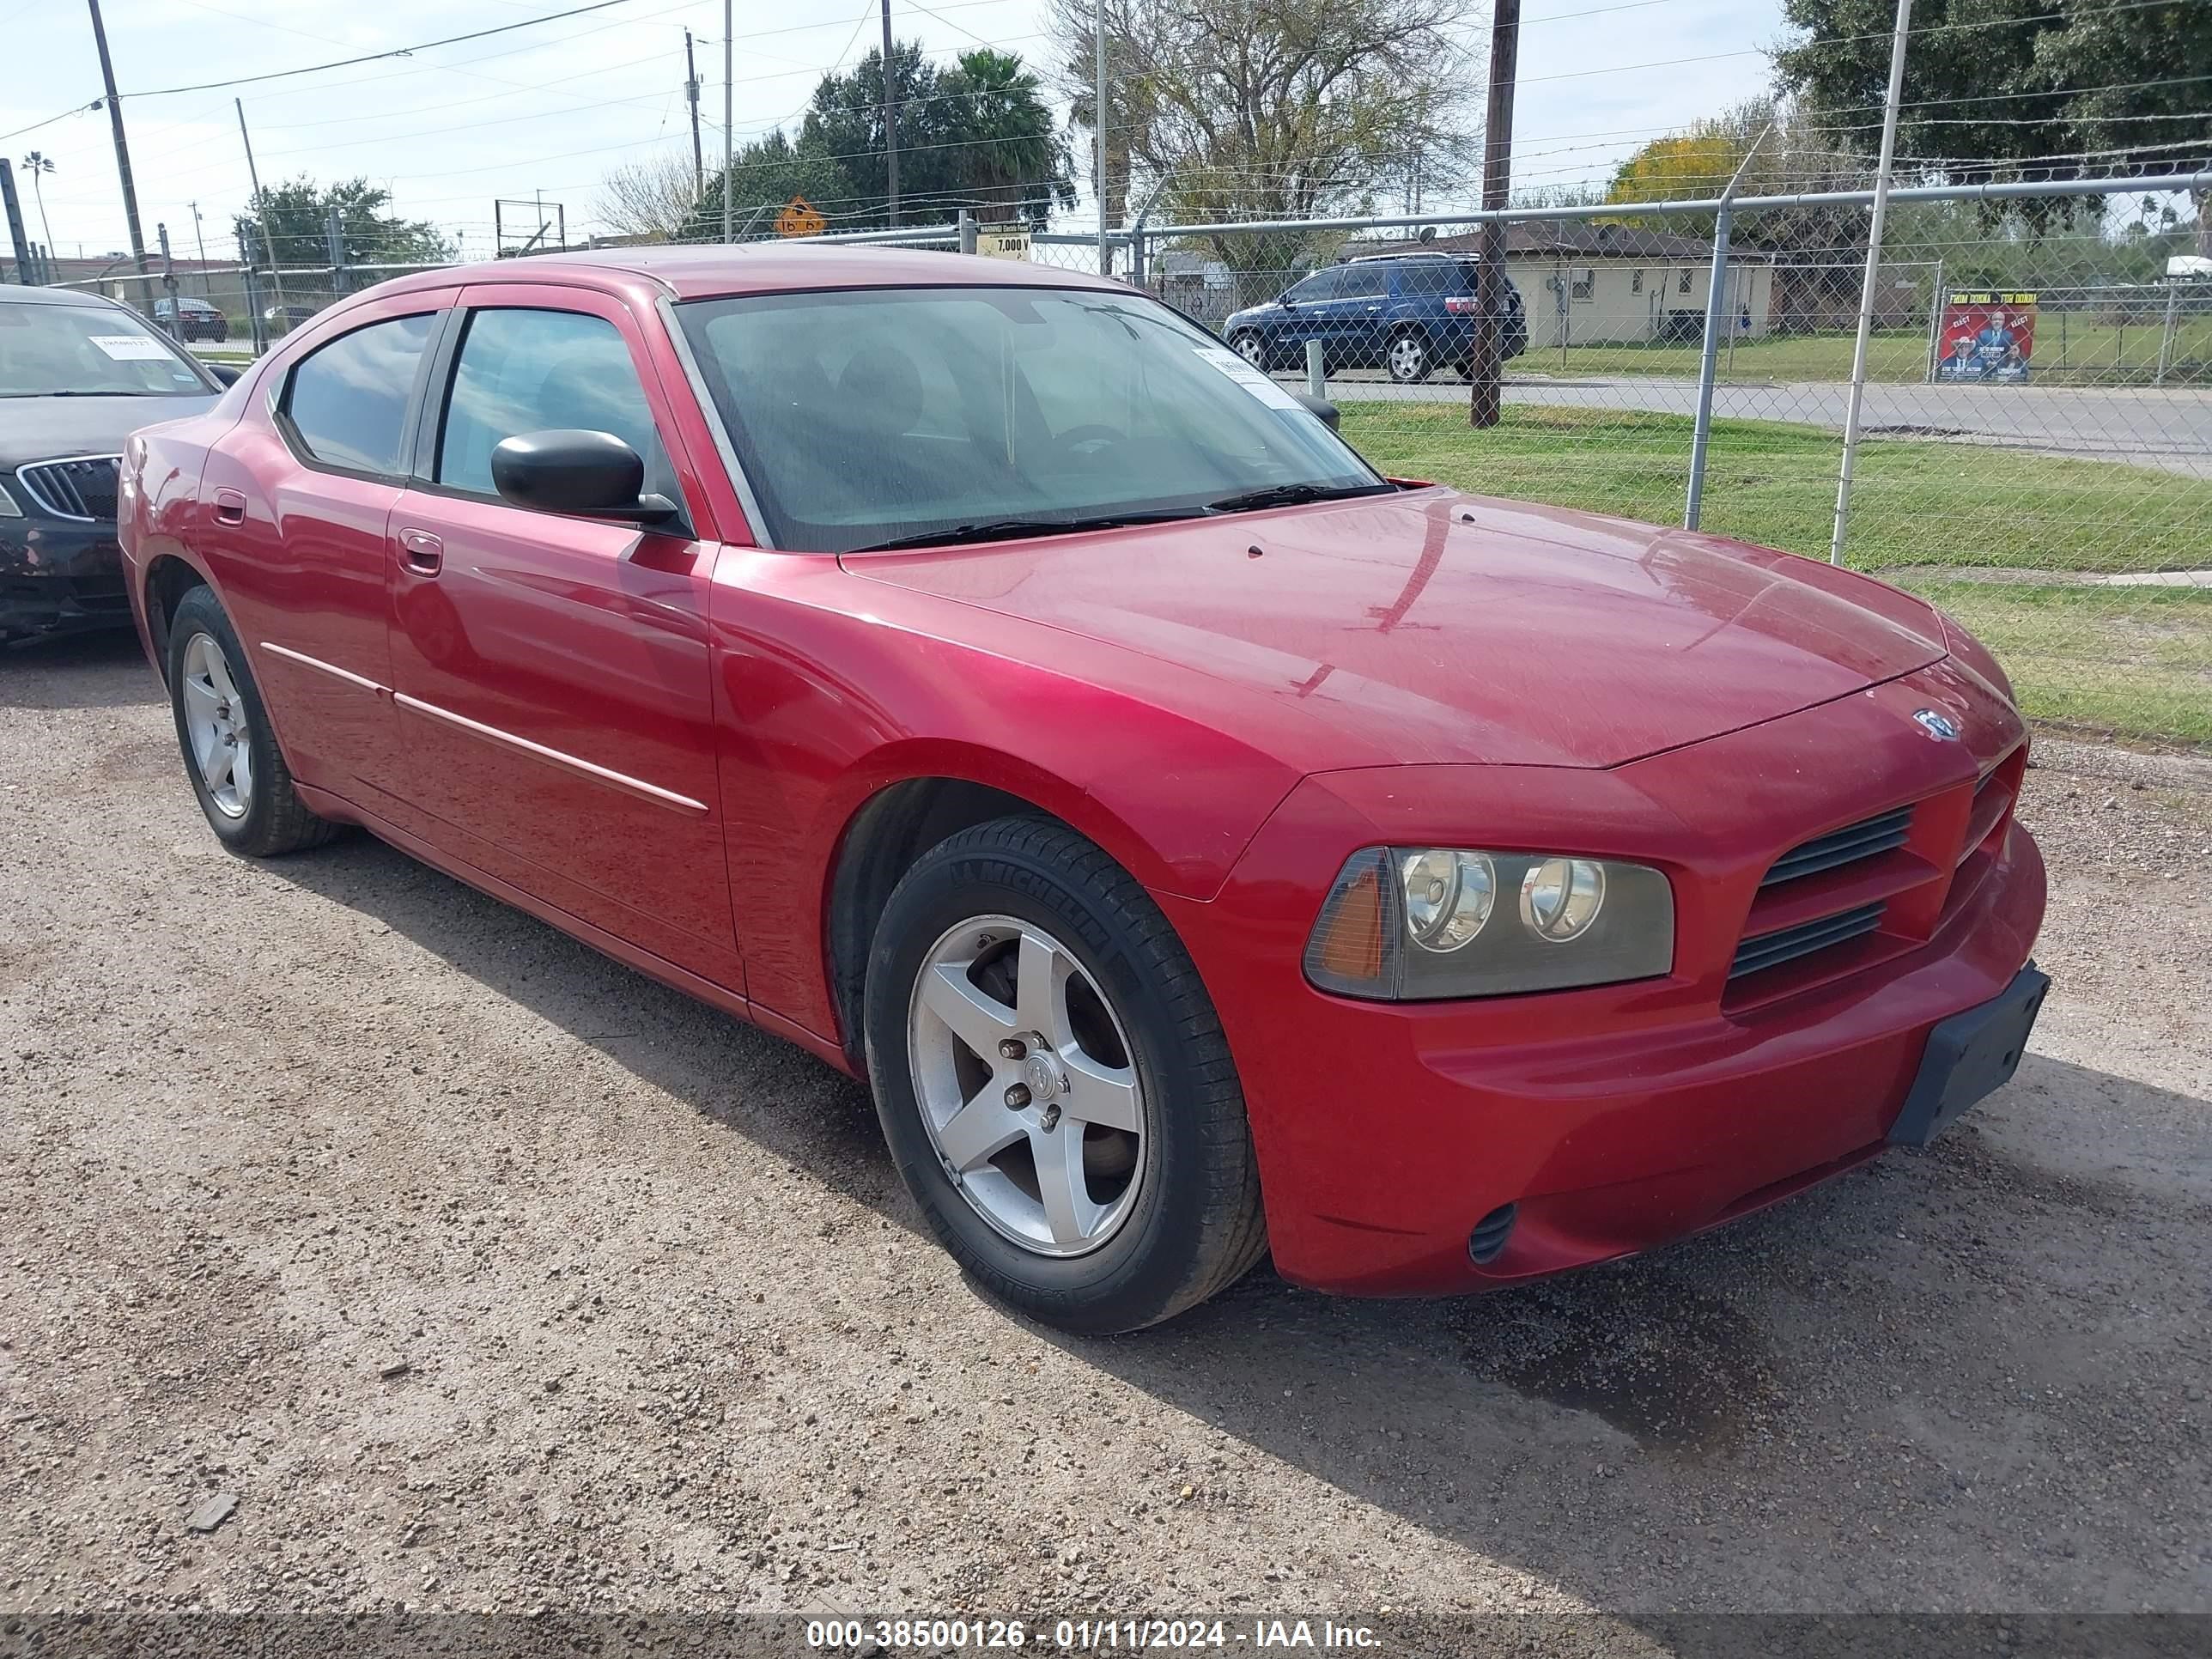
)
(472, 1271)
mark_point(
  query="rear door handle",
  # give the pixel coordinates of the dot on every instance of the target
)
(229, 506)
(425, 555)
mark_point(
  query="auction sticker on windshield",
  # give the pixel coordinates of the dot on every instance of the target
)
(131, 347)
(1249, 377)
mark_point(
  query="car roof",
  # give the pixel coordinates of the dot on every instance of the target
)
(22, 294)
(712, 270)
(1394, 258)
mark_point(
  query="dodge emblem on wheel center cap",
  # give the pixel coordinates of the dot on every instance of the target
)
(1042, 1075)
(1941, 727)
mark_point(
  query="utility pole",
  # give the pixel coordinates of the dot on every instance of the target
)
(260, 203)
(729, 106)
(891, 118)
(122, 149)
(176, 328)
(17, 237)
(1485, 390)
(199, 236)
(691, 93)
(1098, 94)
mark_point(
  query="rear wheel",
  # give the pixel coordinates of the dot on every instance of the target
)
(230, 752)
(1054, 1083)
(1408, 357)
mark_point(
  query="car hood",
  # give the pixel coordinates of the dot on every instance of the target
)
(40, 429)
(1431, 626)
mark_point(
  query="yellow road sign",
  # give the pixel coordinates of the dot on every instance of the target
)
(800, 218)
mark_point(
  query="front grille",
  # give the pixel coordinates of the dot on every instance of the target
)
(1838, 847)
(81, 486)
(1766, 951)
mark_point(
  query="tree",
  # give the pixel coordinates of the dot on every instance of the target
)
(1994, 88)
(369, 234)
(765, 176)
(977, 135)
(38, 165)
(1269, 109)
(1012, 164)
(650, 198)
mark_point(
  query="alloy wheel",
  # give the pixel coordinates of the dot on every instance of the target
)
(1409, 358)
(216, 725)
(1027, 1086)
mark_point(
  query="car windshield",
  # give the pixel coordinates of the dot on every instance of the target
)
(876, 415)
(88, 351)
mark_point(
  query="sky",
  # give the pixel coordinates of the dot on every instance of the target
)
(551, 108)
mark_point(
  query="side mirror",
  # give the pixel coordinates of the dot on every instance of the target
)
(594, 474)
(226, 373)
(1323, 407)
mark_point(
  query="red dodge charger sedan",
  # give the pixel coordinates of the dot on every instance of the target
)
(1202, 844)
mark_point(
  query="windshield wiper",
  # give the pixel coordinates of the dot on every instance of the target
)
(1295, 494)
(71, 392)
(1002, 530)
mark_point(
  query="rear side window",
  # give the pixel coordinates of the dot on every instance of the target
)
(1364, 280)
(347, 403)
(536, 371)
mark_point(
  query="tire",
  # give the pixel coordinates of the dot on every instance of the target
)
(212, 695)
(1252, 347)
(1408, 357)
(1183, 1220)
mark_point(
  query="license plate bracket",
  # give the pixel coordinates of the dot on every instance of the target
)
(1970, 1055)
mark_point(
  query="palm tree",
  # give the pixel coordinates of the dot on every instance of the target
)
(38, 164)
(1015, 160)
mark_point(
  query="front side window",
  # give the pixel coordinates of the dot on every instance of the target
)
(540, 371)
(89, 351)
(347, 402)
(869, 415)
(1322, 285)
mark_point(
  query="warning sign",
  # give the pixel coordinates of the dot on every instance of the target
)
(799, 217)
(1003, 244)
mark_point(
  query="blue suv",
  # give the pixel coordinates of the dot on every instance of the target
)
(1407, 312)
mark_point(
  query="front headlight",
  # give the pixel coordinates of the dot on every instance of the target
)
(1403, 923)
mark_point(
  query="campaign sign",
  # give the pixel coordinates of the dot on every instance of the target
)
(1986, 337)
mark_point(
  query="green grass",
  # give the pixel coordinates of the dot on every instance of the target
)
(2136, 661)
(2133, 660)
(2077, 352)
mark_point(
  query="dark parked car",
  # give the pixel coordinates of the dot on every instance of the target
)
(78, 374)
(188, 318)
(1410, 314)
(283, 320)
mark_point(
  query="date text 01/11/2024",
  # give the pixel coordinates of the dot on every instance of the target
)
(1083, 1635)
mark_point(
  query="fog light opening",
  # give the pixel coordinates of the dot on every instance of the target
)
(1487, 1241)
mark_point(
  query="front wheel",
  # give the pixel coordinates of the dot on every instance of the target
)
(1054, 1083)
(230, 752)
(1408, 358)
(1253, 349)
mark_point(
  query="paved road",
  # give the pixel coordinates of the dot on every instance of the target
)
(2167, 429)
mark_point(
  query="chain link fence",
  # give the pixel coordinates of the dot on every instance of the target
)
(2035, 452)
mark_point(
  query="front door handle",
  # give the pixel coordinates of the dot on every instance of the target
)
(229, 506)
(425, 555)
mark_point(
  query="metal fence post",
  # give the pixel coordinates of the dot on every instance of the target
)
(1936, 326)
(1717, 285)
(2165, 334)
(967, 231)
(1316, 370)
(1708, 363)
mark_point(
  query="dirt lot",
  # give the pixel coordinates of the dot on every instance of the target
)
(483, 1273)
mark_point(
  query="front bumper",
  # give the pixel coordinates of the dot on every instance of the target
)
(59, 577)
(1618, 1117)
